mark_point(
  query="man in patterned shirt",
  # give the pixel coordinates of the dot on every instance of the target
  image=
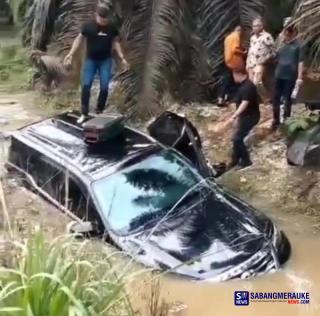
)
(261, 51)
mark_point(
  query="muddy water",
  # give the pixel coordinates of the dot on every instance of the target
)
(301, 274)
(207, 299)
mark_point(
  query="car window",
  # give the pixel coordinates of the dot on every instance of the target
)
(47, 175)
(80, 203)
(140, 192)
(77, 200)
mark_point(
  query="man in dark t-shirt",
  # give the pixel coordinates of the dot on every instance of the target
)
(288, 73)
(246, 116)
(101, 37)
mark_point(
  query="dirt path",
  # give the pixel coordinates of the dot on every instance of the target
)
(26, 210)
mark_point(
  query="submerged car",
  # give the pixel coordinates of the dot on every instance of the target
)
(157, 203)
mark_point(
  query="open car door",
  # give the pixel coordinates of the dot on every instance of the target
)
(304, 149)
(176, 131)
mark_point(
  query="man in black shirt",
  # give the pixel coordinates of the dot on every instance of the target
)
(246, 116)
(101, 37)
(288, 73)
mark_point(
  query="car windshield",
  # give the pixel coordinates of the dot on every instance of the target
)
(145, 191)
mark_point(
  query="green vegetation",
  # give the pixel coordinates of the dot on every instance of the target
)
(62, 279)
(18, 8)
(15, 70)
(297, 124)
(173, 47)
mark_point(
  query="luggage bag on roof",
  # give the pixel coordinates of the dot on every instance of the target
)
(102, 128)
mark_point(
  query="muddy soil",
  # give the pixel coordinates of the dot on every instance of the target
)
(26, 210)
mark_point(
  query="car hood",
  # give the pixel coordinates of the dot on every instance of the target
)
(218, 237)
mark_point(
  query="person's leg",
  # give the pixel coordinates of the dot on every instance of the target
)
(258, 74)
(287, 93)
(251, 74)
(258, 81)
(89, 71)
(223, 89)
(276, 102)
(245, 125)
(236, 155)
(230, 86)
(105, 68)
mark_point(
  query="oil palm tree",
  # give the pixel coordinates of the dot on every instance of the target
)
(307, 18)
(172, 46)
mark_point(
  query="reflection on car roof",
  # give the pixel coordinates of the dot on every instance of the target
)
(62, 136)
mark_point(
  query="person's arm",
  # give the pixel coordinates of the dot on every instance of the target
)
(301, 64)
(270, 45)
(74, 48)
(117, 47)
(242, 107)
(301, 71)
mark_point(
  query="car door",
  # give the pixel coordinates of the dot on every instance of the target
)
(80, 203)
(179, 133)
(48, 175)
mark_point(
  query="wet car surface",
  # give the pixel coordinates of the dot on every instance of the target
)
(151, 200)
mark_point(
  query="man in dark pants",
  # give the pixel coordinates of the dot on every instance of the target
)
(288, 73)
(101, 37)
(246, 116)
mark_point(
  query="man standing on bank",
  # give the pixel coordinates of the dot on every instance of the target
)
(101, 38)
(261, 52)
(234, 57)
(288, 73)
(246, 116)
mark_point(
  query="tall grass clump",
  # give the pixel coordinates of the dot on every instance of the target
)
(59, 279)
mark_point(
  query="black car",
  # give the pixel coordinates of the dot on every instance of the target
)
(158, 204)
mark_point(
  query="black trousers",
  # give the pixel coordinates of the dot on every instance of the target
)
(227, 86)
(243, 127)
(283, 88)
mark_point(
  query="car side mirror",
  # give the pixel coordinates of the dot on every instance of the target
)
(80, 228)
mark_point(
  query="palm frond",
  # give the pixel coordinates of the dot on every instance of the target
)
(219, 17)
(172, 46)
(69, 19)
(307, 18)
(43, 21)
(162, 47)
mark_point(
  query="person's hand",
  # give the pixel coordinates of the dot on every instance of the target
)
(125, 64)
(231, 120)
(299, 81)
(68, 60)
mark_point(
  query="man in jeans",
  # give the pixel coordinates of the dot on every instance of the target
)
(288, 73)
(101, 37)
(246, 116)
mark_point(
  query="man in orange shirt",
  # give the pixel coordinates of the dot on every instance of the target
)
(234, 57)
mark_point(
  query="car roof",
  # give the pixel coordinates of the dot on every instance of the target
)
(60, 138)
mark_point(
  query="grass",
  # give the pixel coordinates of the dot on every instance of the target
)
(15, 69)
(69, 277)
(57, 278)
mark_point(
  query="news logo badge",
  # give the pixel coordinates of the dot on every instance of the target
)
(241, 298)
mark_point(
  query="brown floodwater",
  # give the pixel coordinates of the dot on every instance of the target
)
(301, 274)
